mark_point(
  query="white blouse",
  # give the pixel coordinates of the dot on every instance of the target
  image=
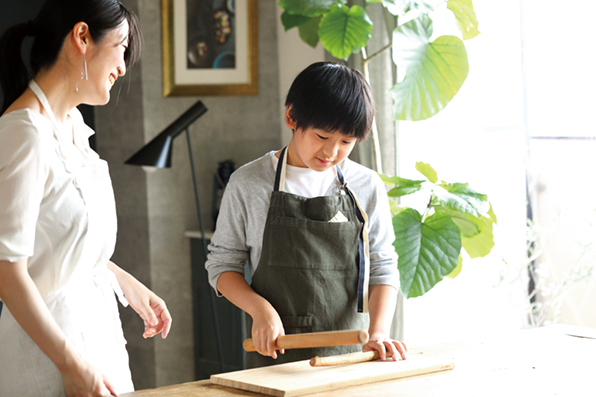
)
(57, 209)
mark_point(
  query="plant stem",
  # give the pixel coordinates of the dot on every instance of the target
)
(427, 208)
(365, 61)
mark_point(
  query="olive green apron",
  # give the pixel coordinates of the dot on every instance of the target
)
(313, 267)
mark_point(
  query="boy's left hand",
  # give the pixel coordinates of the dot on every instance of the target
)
(386, 347)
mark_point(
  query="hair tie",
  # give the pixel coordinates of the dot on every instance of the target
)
(31, 28)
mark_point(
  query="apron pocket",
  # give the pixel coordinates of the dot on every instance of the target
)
(313, 245)
(297, 324)
(312, 225)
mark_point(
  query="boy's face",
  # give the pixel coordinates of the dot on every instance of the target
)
(319, 150)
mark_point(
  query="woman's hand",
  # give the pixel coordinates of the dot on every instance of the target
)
(81, 379)
(150, 307)
(386, 347)
(266, 327)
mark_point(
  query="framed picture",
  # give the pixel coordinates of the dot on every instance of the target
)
(210, 47)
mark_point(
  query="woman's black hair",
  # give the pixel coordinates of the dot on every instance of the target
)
(53, 23)
(332, 97)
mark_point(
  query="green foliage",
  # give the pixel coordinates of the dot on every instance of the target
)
(344, 30)
(465, 17)
(429, 245)
(432, 72)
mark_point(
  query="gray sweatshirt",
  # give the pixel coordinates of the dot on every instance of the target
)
(238, 235)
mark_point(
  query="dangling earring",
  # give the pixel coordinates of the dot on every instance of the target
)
(83, 72)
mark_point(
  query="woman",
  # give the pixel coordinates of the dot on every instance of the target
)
(60, 332)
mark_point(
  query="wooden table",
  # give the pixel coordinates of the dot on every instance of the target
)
(550, 361)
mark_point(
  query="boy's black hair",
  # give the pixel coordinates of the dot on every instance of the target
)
(332, 97)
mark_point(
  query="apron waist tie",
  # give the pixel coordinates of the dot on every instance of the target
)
(106, 276)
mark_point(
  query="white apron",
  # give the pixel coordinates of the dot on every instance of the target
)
(81, 296)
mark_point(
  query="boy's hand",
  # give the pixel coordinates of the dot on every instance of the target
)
(266, 327)
(386, 347)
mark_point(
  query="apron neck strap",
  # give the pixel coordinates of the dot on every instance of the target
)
(44, 101)
(280, 173)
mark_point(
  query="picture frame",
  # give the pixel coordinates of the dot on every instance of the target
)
(210, 47)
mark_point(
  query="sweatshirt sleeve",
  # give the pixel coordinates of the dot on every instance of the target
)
(228, 251)
(383, 259)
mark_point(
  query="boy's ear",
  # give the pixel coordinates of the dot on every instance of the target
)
(290, 122)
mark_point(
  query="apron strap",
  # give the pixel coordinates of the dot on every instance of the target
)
(280, 173)
(44, 102)
(364, 259)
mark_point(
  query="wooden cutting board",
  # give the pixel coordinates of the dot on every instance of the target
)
(298, 378)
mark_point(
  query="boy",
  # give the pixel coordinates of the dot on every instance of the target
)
(306, 235)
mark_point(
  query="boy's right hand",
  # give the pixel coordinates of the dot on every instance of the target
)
(266, 327)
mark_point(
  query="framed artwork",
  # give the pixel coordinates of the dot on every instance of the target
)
(210, 47)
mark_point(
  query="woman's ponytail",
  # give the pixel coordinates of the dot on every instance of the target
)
(14, 77)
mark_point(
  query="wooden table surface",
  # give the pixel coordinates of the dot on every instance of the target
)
(550, 361)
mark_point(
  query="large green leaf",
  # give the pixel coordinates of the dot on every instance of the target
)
(396, 208)
(457, 270)
(396, 180)
(427, 252)
(481, 244)
(292, 20)
(461, 197)
(403, 186)
(344, 30)
(434, 72)
(426, 170)
(309, 31)
(307, 8)
(467, 224)
(465, 17)
(402, 7)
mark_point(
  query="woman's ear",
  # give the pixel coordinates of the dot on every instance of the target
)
(290, 122)
(81, 37)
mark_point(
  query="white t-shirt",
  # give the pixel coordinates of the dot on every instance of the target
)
(305, 182)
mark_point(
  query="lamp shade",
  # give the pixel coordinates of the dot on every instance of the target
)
(158, 152)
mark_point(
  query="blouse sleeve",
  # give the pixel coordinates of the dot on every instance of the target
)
(22, 180)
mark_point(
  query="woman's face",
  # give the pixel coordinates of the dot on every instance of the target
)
(105, 63)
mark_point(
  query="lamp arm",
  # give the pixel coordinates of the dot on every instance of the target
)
(185, 120)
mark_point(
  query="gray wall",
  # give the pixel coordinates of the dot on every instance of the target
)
(156, 209)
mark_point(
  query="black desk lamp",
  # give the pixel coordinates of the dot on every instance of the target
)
(158, 153)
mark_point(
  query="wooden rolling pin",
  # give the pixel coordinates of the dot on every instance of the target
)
(315, 339)
(344, 359)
